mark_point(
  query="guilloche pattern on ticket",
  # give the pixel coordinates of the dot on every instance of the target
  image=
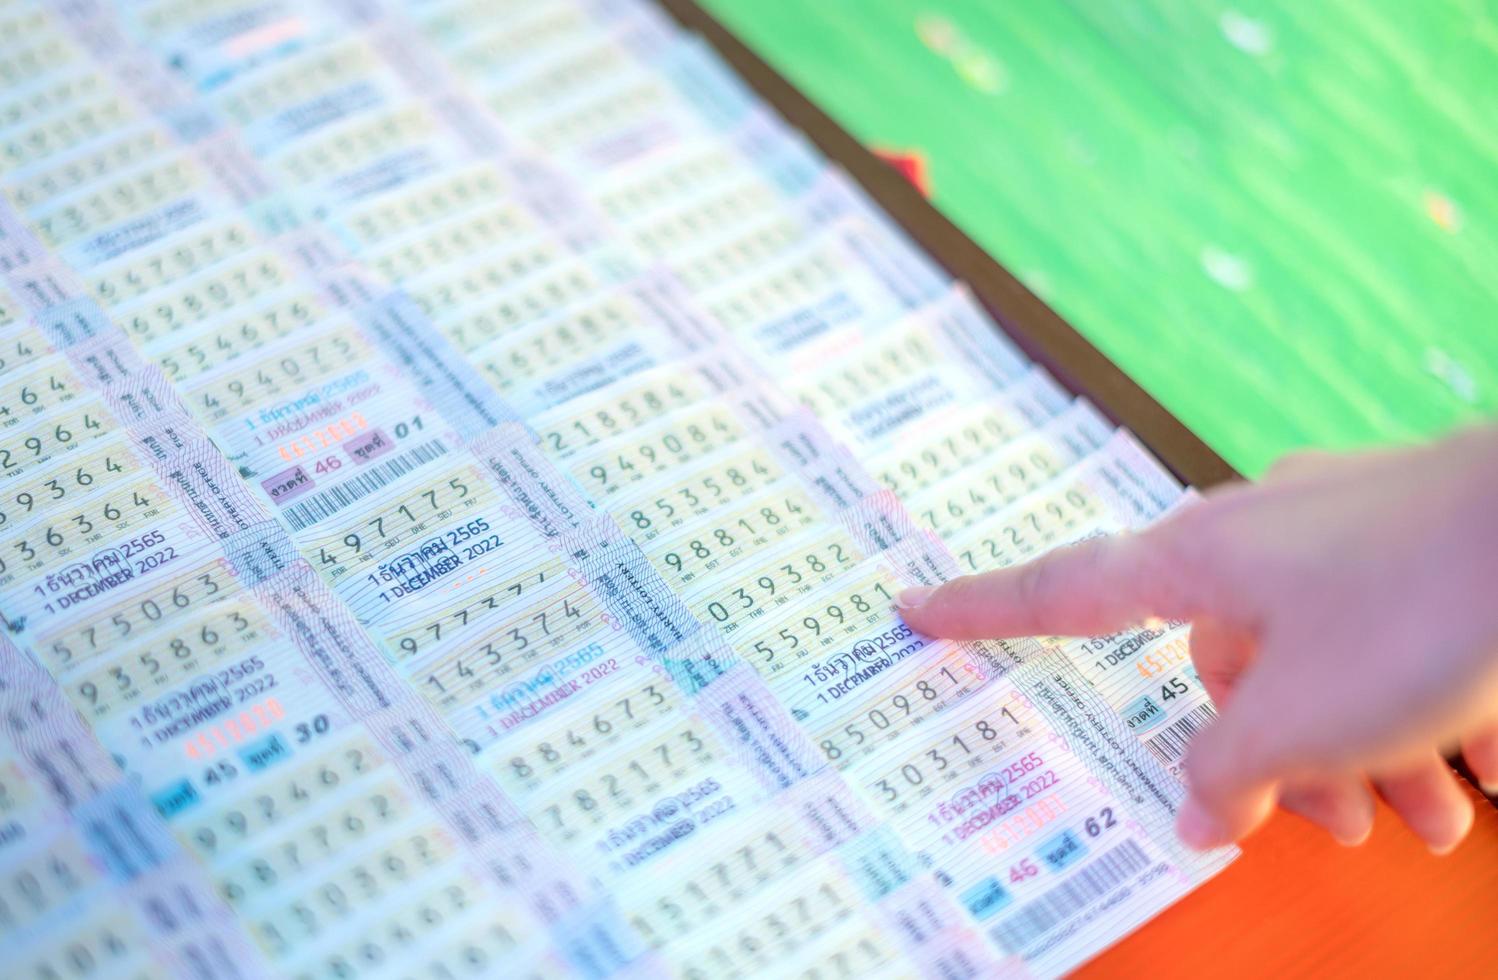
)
(457, 464)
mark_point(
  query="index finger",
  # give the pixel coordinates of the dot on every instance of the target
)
(1089, 588)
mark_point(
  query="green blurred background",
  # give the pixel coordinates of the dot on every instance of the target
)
(1277, 216)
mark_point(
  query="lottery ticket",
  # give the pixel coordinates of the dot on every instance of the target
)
(1145, 673)
(457, 463)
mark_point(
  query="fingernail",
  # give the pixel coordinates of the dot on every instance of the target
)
(1197, 828)
(1488, 789)
(912, 598)
(1357, 841)
(1444, 849)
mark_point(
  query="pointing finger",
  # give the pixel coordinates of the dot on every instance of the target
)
(1089, 588)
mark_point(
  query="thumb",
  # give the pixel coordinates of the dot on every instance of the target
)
(1235, 766)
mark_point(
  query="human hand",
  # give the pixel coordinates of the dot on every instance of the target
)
(1344, 618)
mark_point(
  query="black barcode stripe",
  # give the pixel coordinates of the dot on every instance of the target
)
(1091, 883)
(326, 503)
(1170, 745)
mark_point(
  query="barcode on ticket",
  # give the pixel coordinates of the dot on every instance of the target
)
(607, 419)
(326, 503)
(1096, 880)
(1170, 745)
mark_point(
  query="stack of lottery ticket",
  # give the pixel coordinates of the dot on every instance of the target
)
(457, 461)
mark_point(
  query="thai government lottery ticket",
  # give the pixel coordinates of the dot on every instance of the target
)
(458, 459)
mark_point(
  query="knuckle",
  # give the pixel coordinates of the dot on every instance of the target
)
(960, 600)
(1190, 557)
(1291, 463)
(1165, 558)
(1206, 771)
(963, 592)
(1165, 568)
(1227, 756)
(1034, 581)
(1189, 538)
(1301, 462)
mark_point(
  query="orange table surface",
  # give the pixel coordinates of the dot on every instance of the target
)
(1298, 904)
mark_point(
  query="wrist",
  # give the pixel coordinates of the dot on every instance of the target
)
(1472, 519)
